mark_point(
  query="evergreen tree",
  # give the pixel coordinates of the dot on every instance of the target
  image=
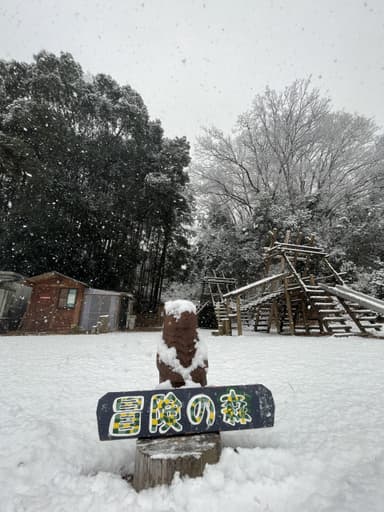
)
(89, 186)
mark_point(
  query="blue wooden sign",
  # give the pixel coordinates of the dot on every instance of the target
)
(181, 411)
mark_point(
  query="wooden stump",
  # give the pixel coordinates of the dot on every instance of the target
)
(157, 460)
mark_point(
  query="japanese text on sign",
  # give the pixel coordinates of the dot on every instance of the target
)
(166, 408)
(182, 411)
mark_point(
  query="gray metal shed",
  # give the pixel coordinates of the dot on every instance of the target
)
(115, 307)
(14, 297)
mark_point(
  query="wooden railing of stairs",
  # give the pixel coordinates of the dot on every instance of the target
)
(366, 312)
(217, 286)
(257, 296)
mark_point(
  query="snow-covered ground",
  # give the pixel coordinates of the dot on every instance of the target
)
(326, 452)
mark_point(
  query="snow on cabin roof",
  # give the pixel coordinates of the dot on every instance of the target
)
(48, 275)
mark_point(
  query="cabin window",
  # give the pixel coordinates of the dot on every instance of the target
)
(67, 298)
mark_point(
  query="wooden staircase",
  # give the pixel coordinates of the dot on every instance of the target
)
(262, 317)
(304, 322)
(221, 315)
(366, 320)
(332, 317)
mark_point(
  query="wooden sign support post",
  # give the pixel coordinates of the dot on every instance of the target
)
(158, 460)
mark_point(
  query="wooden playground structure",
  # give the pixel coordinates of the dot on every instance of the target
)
(301, 293)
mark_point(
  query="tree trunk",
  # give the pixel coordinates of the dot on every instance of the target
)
(157, 460)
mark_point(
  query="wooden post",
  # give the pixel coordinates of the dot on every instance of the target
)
(274, 316)
(289, 307)
(227, 321)
(287, 236)
(305, 317)
(238, 316)
(227, 331)
(157, 460)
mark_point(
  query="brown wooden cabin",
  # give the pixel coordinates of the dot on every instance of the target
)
(61, 304)
(55, 304)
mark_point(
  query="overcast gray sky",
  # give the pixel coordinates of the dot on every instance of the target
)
(201, 62)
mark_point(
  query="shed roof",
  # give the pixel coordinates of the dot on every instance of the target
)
(47, 275)
(92, 291)
(7, 276)
(96, 291)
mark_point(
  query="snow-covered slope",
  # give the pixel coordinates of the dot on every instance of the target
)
(326, 451)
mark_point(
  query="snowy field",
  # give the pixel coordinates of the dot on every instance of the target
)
(326, 452)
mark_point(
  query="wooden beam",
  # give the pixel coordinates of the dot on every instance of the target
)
(293, 270)
(279, 250)
(336, 274)
(295, 246)
(239, 291)
(219, 280)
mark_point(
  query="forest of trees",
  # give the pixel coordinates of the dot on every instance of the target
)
(292, 163)
(90, 187)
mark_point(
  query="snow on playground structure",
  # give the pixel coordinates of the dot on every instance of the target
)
(301, 294)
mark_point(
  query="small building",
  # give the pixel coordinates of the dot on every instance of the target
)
(55, 304)
(61, 304)
(14, 296)
(116, 308)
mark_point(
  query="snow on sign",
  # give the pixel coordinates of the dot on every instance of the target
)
(177, 411)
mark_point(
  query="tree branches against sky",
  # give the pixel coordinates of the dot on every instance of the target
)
(202, 62)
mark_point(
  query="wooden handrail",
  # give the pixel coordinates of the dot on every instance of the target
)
(256, 284)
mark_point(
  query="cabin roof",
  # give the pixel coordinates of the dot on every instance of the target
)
(47, 275)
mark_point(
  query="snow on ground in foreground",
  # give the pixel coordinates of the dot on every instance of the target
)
(326, 451)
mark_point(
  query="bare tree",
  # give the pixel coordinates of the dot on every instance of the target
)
(293, 149)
